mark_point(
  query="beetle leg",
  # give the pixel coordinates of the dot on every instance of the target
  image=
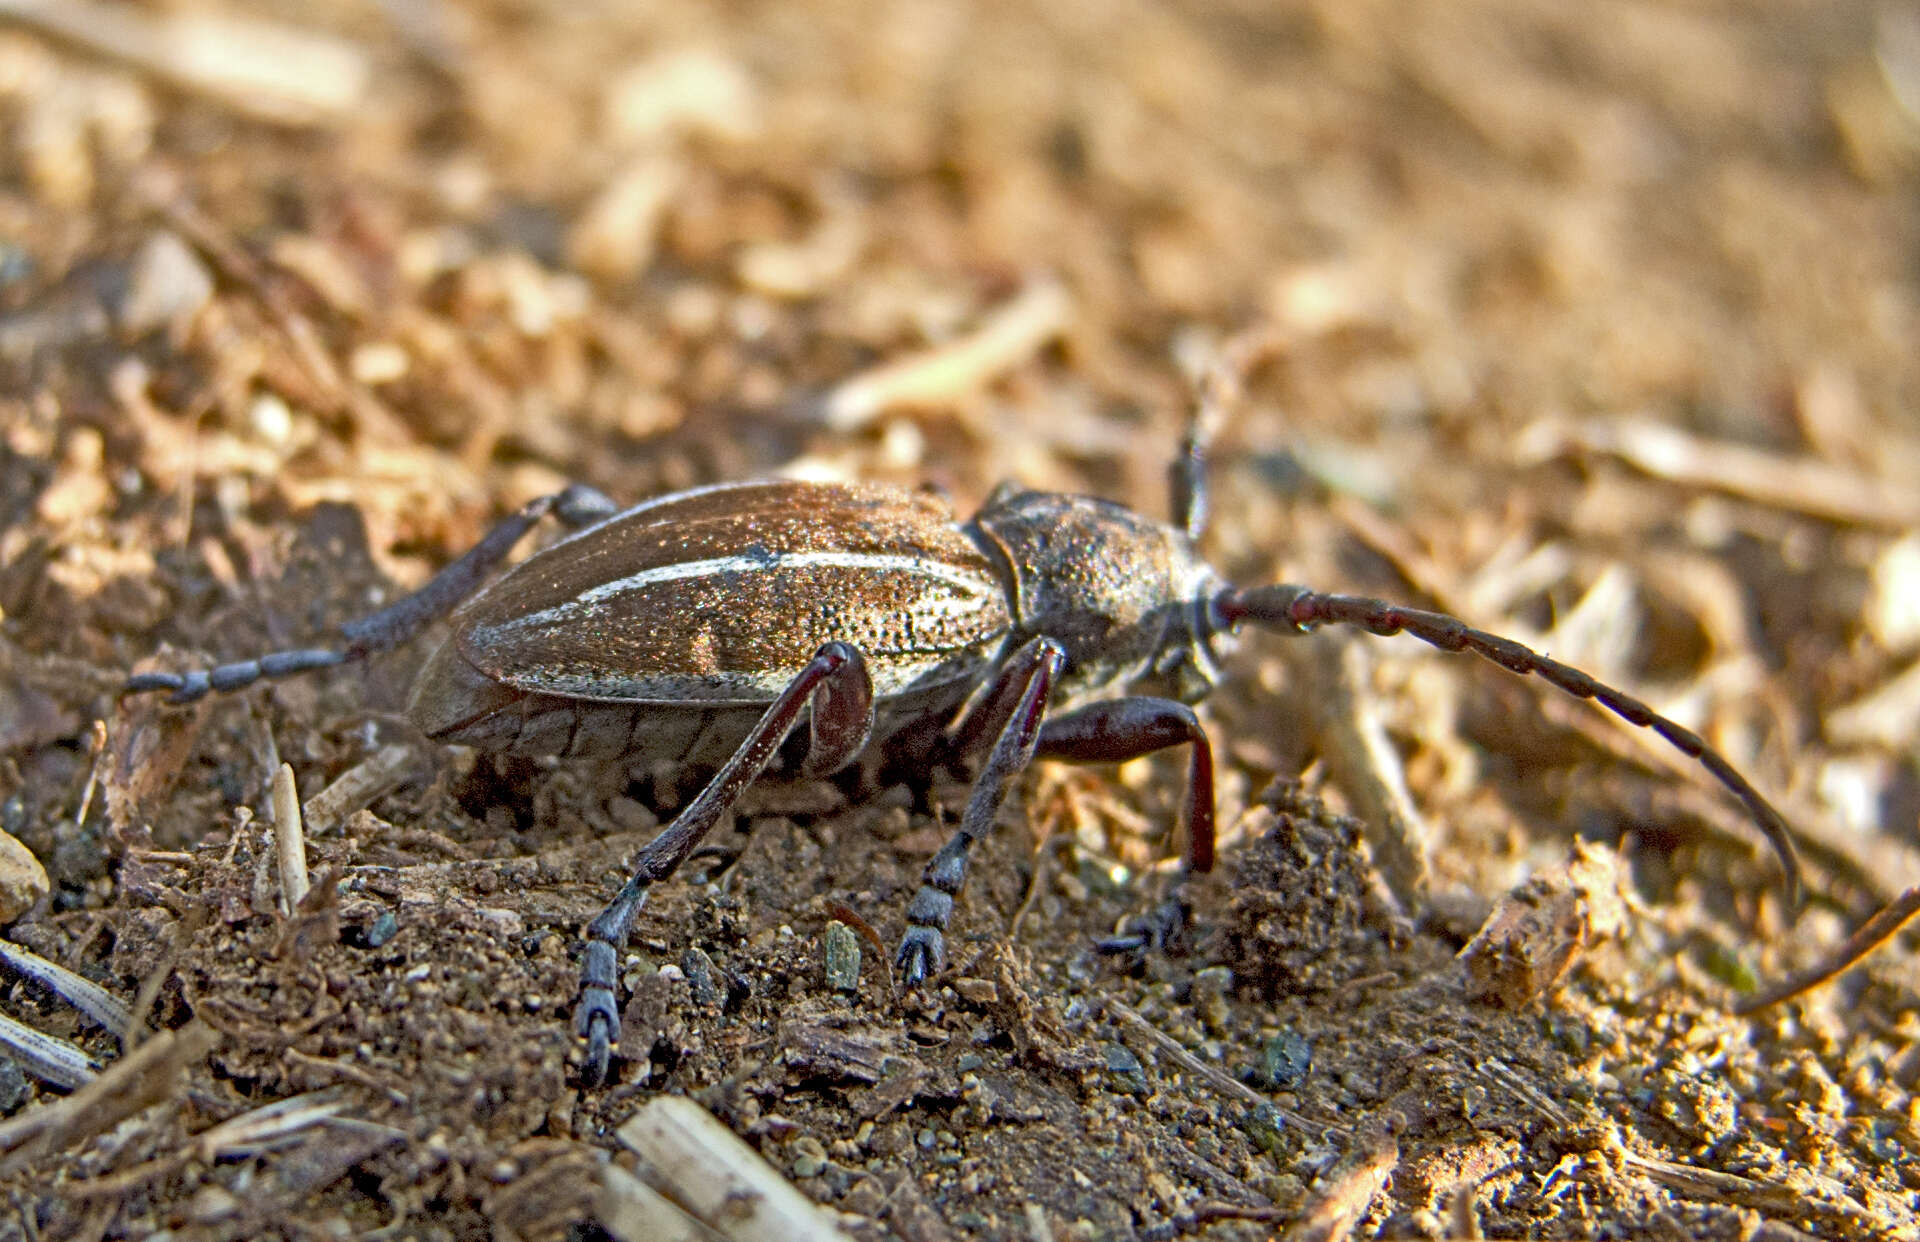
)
(837, 682)
(1219, 391)
(395, 625)
(1020, 696)
(1116, 730)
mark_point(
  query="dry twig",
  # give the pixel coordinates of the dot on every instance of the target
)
(355, 788)
(1213, 1077)
(1363, 762)
(138, 1080)
(1797, 484)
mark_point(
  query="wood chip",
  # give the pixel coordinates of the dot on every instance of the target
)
(1798, 484)
(263, 69)
(1888, 716)
(633, 1211)
(1349, 1190)
(1538, 930)
(356, 788)
(614, 238)
(701, 1165)
(1010, 335)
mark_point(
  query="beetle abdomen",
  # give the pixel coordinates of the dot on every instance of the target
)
(455, 702)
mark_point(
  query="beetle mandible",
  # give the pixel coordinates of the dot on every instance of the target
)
(703, 626)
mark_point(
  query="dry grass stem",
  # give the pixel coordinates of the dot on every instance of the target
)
(1796, 484)
(83, 994)
(138, 1080)
(262, 1127)
(47, 1057)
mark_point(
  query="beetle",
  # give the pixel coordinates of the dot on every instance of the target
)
(704, 626)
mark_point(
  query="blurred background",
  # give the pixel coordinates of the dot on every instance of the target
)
(1597, 325)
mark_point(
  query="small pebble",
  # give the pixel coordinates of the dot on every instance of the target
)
(809, 1156)
(167, 284)
(211, 1205)
(384, 927)
(1263, 1126)
(13, 1086)
(703, 978)
(1125, 1066)
(23, 881)
(1284, 1061)
(842, 953)
(1210, 989)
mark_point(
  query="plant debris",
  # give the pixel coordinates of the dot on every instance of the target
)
(1592, 326)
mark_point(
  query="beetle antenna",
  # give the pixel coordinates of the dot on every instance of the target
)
(1295, 609)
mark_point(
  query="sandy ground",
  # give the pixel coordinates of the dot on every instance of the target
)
(1594, 325)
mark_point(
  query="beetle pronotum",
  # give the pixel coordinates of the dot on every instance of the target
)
(703, 626)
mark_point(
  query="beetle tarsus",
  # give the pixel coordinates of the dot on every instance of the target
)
(1151, 932)
(922, 955)
(597, 1012)
(923, 949)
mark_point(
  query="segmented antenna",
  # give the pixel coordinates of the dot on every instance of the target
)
(1297, 609)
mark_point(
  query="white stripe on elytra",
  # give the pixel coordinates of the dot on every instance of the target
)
(965, 583)
(655, 502)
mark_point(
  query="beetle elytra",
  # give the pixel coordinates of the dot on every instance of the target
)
(704, 626)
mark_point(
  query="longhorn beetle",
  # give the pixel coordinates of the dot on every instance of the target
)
(703, 626)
